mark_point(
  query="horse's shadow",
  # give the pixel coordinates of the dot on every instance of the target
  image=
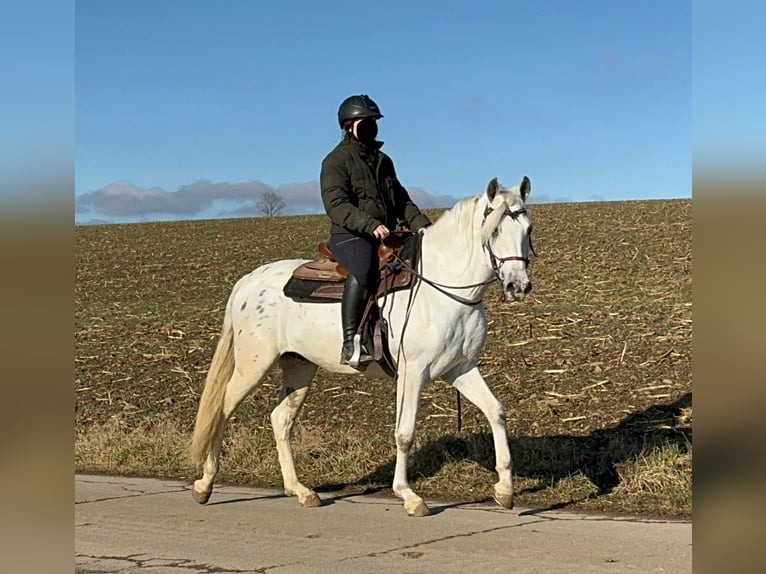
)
(547, 459)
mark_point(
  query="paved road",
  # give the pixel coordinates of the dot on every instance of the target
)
(154, 526)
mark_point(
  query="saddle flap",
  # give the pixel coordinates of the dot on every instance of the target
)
(329, 291)
(392, 281)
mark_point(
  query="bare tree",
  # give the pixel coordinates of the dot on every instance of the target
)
(270, 204)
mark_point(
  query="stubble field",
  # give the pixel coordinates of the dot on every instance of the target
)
(594, 368)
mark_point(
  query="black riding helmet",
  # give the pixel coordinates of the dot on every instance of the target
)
(355, 107)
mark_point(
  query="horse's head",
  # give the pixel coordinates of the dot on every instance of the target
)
(506, 236)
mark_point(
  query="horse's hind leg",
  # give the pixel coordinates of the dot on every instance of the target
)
(473, 387)
(238, 387)
(297, 373)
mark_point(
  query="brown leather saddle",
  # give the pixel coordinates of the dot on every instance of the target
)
(323, 278)
(322, 281)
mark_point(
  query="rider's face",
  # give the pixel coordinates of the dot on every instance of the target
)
(365, 129)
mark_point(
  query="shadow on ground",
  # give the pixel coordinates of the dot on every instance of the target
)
(549, 459)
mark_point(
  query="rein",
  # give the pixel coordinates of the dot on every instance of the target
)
(440, 287)
(494, 260)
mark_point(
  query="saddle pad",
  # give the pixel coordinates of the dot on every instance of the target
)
(310, 291)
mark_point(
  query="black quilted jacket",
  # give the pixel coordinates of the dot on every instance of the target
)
(360, 190)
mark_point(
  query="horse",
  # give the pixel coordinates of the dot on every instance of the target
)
(436, 330)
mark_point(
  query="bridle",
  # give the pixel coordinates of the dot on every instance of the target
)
(496, 261)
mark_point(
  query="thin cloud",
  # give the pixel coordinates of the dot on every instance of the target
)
(475, 106)
(613, 65)
(545, 198)
(477, 102)
(426, 200)
(94, 221)
(125, 201)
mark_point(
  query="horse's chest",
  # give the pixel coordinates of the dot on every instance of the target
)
(464, 336)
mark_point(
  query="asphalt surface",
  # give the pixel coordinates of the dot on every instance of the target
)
(146, 525)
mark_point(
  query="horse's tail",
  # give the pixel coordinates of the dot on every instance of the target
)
(210, 413)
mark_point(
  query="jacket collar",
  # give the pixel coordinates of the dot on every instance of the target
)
(363, 148)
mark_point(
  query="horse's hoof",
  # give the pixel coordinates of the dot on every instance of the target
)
(420, 510)
(312, 501)
(504, 500)
(201, 497)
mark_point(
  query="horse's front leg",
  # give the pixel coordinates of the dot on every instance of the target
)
(407, 400)
(473, 387)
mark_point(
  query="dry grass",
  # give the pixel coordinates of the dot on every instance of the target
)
(594, 368)
(153, 447)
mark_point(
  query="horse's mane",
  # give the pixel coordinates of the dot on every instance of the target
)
(460, 219)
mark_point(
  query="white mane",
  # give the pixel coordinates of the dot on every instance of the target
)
(458, 222)
(462, 220)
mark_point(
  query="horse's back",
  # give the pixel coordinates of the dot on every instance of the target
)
(262, 315)
(257, 299)
(268, 275)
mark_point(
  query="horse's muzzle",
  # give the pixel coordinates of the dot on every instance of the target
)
(517, 291)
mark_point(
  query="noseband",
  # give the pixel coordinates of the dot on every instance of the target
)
(498, 261)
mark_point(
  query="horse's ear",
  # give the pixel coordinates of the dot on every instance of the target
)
(525, 188)
(492, 189)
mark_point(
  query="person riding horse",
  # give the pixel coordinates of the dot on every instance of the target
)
(481, 240)
(365, 202)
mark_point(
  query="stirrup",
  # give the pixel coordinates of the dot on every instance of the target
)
(360, 356)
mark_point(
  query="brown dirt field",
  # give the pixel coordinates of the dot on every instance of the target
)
(594, 368)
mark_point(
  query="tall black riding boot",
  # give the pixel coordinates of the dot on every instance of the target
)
(351, 309)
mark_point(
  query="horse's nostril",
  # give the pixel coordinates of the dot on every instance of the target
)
(528, 288)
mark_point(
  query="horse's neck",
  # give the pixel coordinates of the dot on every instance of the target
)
(455, 259)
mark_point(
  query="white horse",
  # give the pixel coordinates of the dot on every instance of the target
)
(435, 332)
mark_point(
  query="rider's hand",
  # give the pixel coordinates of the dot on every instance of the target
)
(381, 232)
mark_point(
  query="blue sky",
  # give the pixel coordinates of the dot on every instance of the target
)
(188, 109)
(729, 123)
(36, 89)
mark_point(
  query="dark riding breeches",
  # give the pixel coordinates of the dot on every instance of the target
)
(359, 255)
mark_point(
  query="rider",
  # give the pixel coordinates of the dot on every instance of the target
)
(365, 201)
